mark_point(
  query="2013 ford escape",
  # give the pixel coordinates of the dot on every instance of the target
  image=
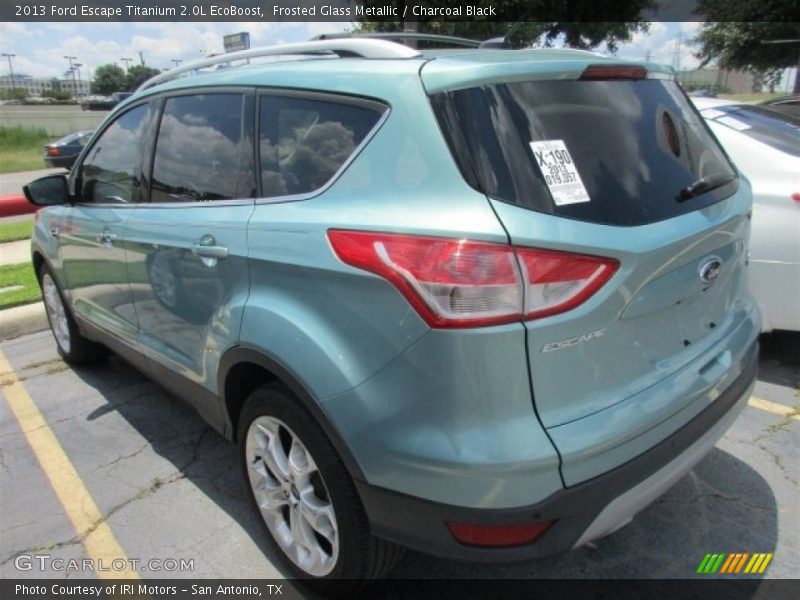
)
(486, 304)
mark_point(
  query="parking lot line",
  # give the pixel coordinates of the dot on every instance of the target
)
(774, 408)
(87, 519)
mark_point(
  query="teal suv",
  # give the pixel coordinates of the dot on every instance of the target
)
(486, 304)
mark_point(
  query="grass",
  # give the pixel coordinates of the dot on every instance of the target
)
(21, 149)
(755, 97)
(21, 275)
(16, 230)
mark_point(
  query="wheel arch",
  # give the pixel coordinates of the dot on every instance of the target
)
(242, 369)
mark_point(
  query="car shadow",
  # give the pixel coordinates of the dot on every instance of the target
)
(722, 505)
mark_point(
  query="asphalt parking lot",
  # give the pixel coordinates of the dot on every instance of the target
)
(152, 478)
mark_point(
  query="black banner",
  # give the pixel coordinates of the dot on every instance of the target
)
(349, 10)
(719, 588)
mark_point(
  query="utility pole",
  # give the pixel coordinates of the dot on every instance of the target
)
(72, 68)
(141, 57)
(127, 62)
(11, 69)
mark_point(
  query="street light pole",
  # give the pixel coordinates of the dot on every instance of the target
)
(71, 68)
(177, 61)
(78, 93)
(11, 69)
(127, 62)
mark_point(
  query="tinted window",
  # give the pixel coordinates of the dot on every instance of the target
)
(780, 131)
(112, 170)
(203, 152)
(633, 146)
(304, 142)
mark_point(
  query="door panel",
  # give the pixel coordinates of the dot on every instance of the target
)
(107, 185)
(187, 257)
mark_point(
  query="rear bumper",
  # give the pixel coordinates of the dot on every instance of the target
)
(581, 513)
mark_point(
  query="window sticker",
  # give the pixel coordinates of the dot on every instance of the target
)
(559, 171)
(733, 123)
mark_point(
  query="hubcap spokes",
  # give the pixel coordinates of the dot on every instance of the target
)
(292, 496)
(56, 312)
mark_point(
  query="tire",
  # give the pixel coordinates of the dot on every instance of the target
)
(346, 553)
(73, 347)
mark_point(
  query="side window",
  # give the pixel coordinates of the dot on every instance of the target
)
(111, 172)
(303, 142)
(203, 152)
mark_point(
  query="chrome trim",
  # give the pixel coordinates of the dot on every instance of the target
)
(361, 47)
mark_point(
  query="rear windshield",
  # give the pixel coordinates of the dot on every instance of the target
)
(770, 127)
(613, 152)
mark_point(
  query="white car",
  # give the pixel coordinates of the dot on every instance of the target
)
(765, 145)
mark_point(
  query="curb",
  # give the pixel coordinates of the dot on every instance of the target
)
(22, 320)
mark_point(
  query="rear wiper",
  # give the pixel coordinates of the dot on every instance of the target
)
(703, 185)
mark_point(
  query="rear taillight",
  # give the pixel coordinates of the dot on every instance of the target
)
(559, 281)
(52, 151)
(605, 72)
(464, 283)
(497, 535)
(796, 197)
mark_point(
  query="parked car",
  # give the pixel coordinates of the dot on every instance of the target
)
(788, 105)
(64, 151)
(485, 304)
(765, 145)
(98, 102)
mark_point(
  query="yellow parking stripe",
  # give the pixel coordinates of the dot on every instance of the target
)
(86, 518)
(774, 408)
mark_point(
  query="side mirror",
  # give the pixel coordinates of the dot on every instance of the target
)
(47, 191)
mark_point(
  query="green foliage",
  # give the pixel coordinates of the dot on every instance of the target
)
(21, 148)
(580, 23)
(15, 94)
(59, 95)
(108, 79)
(16, 230)
(738, 41)
(137, 75)
(14, 137)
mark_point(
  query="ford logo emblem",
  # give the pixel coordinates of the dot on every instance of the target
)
(710, 269)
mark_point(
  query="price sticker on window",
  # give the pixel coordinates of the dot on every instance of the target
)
(559, 172)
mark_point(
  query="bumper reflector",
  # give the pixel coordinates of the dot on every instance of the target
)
(497, 535)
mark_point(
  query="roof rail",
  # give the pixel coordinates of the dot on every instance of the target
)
(404, 36)
(363, 48)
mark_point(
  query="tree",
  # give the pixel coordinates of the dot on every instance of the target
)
(580, 23)
(108, 79)
(137, 75)
(738, 42)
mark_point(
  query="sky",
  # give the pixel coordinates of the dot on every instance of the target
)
(40, 47)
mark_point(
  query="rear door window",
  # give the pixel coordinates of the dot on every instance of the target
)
(617, 152)
(204, 150)
(305, 141)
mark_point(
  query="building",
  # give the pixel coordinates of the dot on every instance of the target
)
(77, 87)
(34, 86)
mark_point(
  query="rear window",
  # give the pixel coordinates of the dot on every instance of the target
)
(612, 152)
(777, 130)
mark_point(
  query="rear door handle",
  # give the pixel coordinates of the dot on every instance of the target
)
(55, 231)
